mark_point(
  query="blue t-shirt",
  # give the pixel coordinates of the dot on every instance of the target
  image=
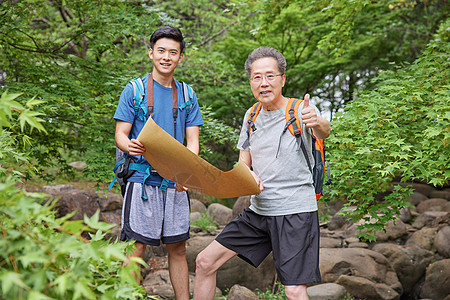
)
(162, 102)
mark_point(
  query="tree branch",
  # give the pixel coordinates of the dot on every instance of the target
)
(212, 37)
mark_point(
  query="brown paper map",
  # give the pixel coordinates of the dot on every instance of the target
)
(174, 161)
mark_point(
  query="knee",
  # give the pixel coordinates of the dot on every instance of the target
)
(203, 264)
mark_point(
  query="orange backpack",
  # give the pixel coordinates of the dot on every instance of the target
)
(293, 123)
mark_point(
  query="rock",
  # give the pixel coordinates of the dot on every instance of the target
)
(112, 217)
(434, 204)
(437, 280)
(338, 221)
(370, 267)
(197, 206)
(109, 201)
(240, 204)
(194, 246)
(195, 216)
(351, 231)
(78, 201)
(416, 197)
(158, 283)
(327, 242)
(394, 230)
(422, 188)
(445, 194)
(334, 207)
(236, 270)
(352, 240)
(430, 219)
(203, 198)
(326, 291)
(152, 251)
(219, 213)
(408, 262)
(358, 245)
(423, 238)
(363, 288)
(387, 271)
(442, 241)
(57, 189)
(405, 215)
(239, 292)
(79, 165)
(446, 208)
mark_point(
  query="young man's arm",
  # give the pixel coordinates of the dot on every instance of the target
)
(246, 158)
(192, 138)
(132, 147)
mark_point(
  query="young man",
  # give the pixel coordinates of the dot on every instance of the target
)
(283, 218)
(160, 212)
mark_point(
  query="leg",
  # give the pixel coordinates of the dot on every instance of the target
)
(138, 251)
(207, 263)
(178, 270)
(297, 292)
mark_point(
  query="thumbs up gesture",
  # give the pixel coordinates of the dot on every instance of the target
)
(309, 115)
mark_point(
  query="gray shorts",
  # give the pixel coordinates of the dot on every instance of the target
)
(293, 239)
(163, 217)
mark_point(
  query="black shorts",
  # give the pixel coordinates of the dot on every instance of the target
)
(293, 239)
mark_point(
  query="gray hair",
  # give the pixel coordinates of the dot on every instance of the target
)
(263, 52)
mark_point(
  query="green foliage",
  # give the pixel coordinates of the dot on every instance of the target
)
(338, 46)
(12, 112)
(400, 128)
(205, 223)
(76, 55)
(215, 134)
(277, 293)
(44, 257)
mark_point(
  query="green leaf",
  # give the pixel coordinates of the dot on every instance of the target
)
(94, 223)
(31, 117)
(34, 102)
(35, 295)
(10, 279)
(75, 226)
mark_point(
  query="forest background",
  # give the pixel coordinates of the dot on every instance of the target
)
(377, 69)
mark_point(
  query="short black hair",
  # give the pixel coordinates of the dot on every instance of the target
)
(169, 32)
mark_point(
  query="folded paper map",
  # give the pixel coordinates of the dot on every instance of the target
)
(174, 161)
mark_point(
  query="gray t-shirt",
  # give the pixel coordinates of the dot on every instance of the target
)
(287, 180)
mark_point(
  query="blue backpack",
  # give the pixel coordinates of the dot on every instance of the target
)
(125, 165)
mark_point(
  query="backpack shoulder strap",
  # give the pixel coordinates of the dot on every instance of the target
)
(188, 94)
(294, 124)
(254, 111)
(293, 121)
(138, 96)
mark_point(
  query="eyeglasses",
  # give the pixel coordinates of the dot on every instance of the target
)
(269, 77)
